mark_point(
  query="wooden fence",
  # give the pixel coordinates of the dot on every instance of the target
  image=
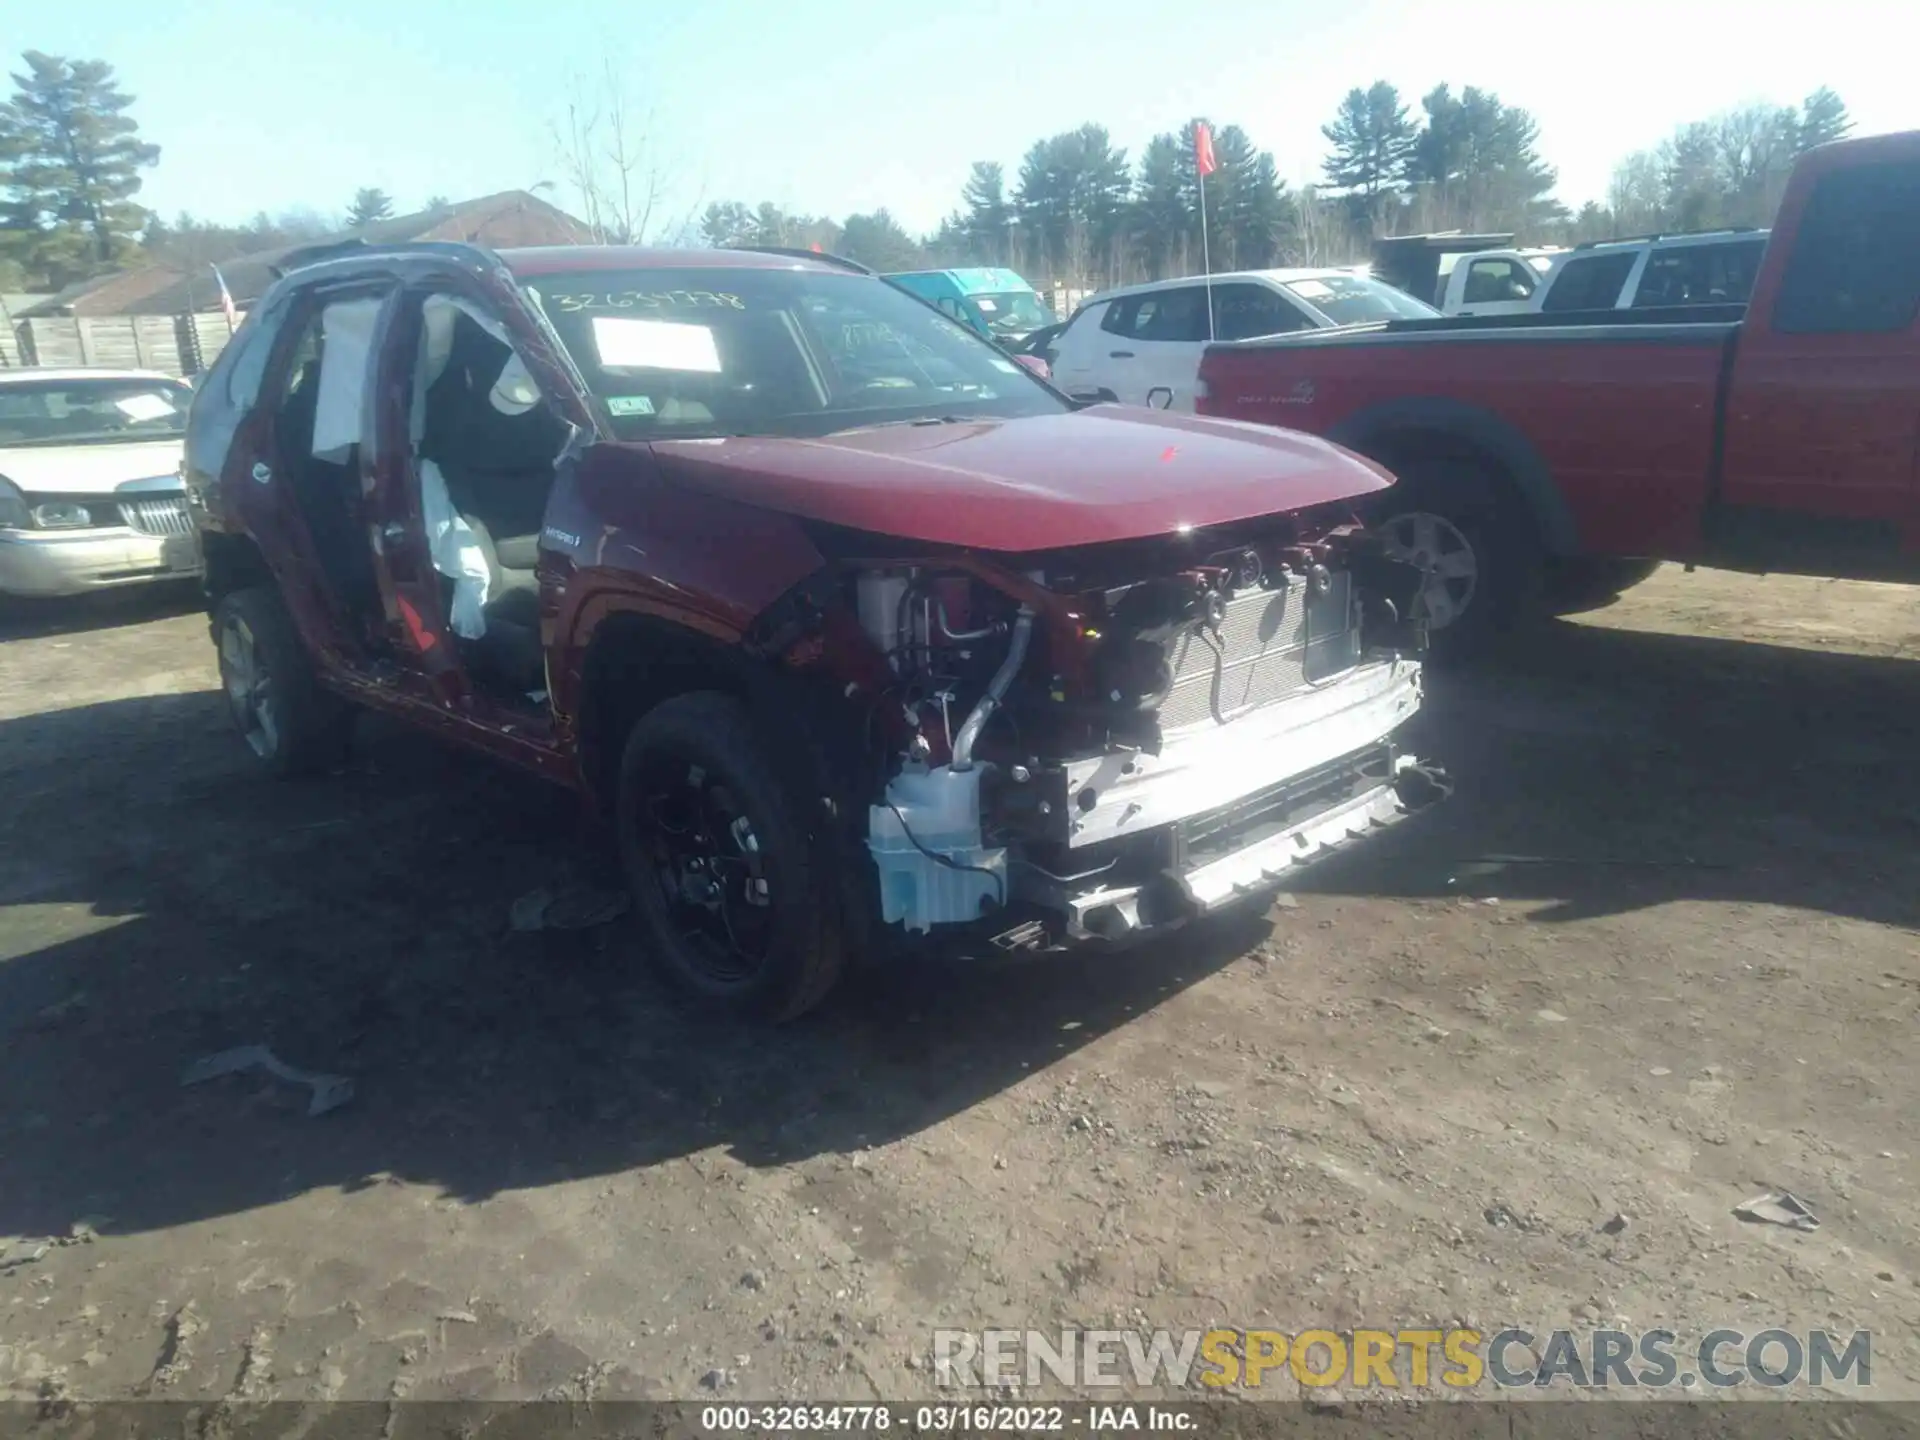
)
(171, 344)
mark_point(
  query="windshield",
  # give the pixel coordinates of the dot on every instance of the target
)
(1013, 312)
(90, 411)
(682, 354)
(1356, 299)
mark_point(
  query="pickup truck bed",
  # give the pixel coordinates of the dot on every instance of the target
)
(1783, 435)
(1606, 423)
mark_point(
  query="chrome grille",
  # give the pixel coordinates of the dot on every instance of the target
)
(1271, 644)
(166, 515)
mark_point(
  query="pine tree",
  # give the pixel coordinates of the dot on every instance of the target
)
(1072, 201)
(369, 205)
(725, 223)
(986, 222)
(877, 241)
(1165, 213)
(773, 226)
(1372, 138)
(1246, 206)
(1593, 222)
(1823, 118)
(70, 163)
(1476, 165)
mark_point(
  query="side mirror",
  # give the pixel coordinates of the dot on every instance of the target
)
(1160, 398)
(1036, 365)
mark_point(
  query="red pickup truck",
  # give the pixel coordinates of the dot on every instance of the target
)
(1546, 461)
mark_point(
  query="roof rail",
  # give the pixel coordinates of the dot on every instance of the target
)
(310, 254)
(305, 255)
(826, 257)
(1669, 235)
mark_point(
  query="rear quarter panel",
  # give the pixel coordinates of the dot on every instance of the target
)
(1619, 418)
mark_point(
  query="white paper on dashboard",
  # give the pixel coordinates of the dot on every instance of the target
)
(624, 344)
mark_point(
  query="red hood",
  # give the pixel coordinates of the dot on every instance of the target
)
(1108, 473)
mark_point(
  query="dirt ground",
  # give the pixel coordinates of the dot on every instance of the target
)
(1658, 954)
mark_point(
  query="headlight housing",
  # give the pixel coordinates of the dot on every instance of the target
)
(14, 514)
(60, 515)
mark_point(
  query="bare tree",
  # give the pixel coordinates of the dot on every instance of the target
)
(1637, 193)
(606, 156)
(1324, 232)
(1757, 146)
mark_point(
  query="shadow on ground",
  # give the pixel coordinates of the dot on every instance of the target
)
(1611, 770)
(171, 904)
(23, 618)
(179, 906)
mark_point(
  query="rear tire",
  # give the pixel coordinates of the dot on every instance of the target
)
(727, 876)
(291, 724)
(1479, 554)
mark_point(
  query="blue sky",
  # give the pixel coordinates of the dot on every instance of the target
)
(833, 106)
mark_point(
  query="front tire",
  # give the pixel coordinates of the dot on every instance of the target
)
(728, 879)
(289, 722)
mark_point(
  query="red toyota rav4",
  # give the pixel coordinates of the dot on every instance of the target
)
(858, 630)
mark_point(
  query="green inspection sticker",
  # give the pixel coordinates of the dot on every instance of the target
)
(629, 405)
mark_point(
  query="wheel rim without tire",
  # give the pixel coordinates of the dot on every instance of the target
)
(701, 850)
(1450, 571)
(249, 689)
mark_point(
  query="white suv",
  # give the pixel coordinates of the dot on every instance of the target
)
(1709, 268)
(1141, 344)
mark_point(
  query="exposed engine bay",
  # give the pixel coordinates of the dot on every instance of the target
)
(1105, 741)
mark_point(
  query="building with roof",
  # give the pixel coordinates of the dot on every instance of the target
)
(169, 318)
(510, 218)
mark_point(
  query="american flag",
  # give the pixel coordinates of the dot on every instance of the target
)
(226, 300)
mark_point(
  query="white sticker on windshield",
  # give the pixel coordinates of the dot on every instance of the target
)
(625, 344)
(629, 405)
(987, 306)
(144, 407)
(1006, 365)
(1311, 289)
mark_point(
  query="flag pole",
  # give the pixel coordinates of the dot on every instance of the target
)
(226, 300)
(1203, 165)
(1206, 259)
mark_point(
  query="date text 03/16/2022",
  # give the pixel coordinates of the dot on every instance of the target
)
(1096, 1418)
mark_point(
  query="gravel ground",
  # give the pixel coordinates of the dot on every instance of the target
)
(1657, 954)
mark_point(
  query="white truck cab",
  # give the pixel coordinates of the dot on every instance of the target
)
(1494, 282)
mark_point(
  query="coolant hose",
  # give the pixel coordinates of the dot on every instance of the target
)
(996, 691)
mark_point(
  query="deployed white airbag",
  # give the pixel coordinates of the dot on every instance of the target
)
(345, 354)
(514, 392)
(456, 554)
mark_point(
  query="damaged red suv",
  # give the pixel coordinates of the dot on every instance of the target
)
(863, 636)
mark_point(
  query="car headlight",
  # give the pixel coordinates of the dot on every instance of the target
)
(13, 508)
(60, 515)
